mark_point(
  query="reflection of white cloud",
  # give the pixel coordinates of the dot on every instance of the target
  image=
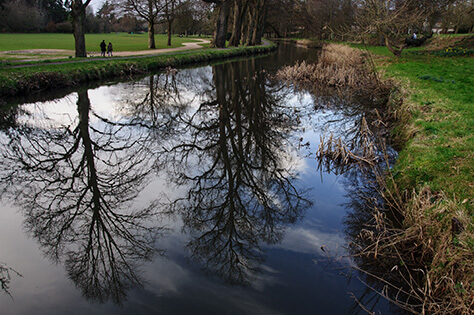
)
(63, 112)
(311, 241)
(168, 277)
(51, 114)
(105, 101)
(173, 281)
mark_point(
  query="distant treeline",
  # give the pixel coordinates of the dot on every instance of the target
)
(51, 16)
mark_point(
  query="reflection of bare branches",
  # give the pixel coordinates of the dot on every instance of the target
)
(104, 264)
(240, 176)
(5, 278)
(157, 101)
(8, 116)
(372, 225)
(75, 185)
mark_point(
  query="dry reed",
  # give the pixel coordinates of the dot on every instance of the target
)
(423, 261)
(338, 66)
(309, 43)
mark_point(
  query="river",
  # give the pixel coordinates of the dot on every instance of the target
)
(193, 191)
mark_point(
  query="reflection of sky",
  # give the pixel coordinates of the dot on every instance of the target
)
(63, 112)
(53, 114)
(297, 274)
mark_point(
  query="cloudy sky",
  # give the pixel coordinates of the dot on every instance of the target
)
(96, 4)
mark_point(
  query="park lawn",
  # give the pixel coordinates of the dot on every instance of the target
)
(440, 148)
(441, 153)
(121, 41)
(50, 75)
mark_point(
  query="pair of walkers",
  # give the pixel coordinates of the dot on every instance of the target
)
(104, 47)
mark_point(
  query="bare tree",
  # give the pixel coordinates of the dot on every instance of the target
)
(389, 19)
(149, 11)
(170, 8)
(223, 8)
(240, 11)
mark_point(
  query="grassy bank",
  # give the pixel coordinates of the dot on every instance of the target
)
(45, 76)
(435, 173)
(438, 122)
(43, 46)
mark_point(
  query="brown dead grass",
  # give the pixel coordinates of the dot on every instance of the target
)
(442, 42)
(338, 66)
(423, 262)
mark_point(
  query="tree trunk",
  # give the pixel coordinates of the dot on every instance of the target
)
(78, 13)
(151, 26)
(244, 29)
(221, 24)
(250, 27)
(151, 35)
(169, 31)
(239, 13)
(259, 23)
(394, 50)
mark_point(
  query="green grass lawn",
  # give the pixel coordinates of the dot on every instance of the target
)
(441, 101)
(121, 41)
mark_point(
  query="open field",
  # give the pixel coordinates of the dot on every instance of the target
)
(48, 45)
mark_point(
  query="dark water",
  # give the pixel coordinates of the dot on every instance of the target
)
(194, 193)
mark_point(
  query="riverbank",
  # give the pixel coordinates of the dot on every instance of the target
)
(434, 173)
(39, 77)
(418, 249)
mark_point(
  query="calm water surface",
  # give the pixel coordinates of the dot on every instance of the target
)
(193, 193)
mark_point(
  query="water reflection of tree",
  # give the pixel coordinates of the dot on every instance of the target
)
(232, 155)
(366, 225)
(367, 217)
(350, 112)
(8, 117)
(75, 184)
(5, 278)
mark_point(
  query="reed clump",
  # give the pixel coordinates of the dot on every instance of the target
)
(309, 43)
(335, 156)
(424, 265)
(338, 66)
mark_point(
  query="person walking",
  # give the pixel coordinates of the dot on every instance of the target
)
(102, 48)
(110, 49)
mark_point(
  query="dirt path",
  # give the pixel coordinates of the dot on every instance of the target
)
(187, 46)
